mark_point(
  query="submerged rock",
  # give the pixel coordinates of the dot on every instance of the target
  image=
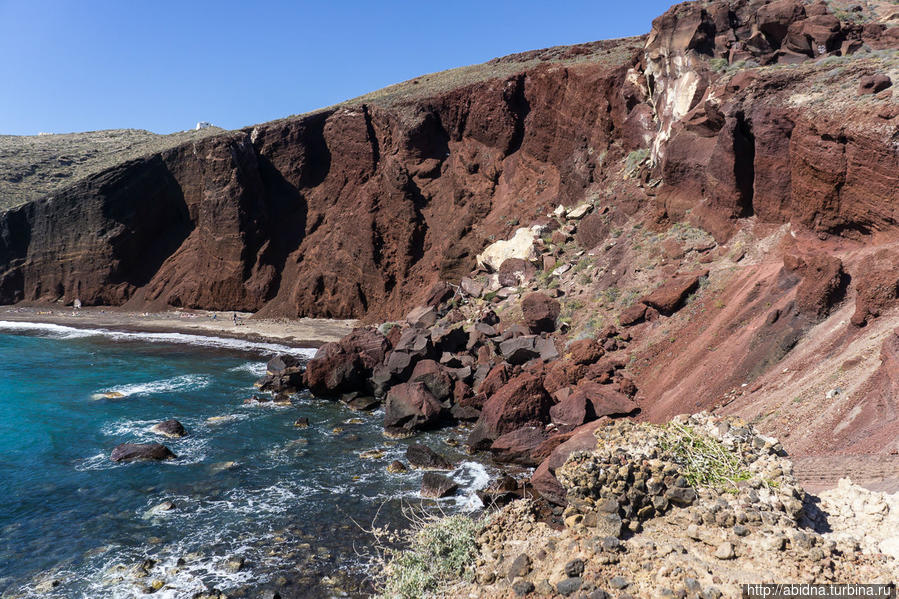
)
(422, 456)
(131, 452)
(169, 428)
(437, 486)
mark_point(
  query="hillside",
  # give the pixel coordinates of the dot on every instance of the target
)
(34, 167)
(737, 169)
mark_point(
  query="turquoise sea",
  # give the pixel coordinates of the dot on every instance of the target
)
(259, 503)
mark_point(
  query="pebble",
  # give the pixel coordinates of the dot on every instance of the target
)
(725, 551)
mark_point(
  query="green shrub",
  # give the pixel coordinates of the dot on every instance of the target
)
(706, 461)
(439, 551)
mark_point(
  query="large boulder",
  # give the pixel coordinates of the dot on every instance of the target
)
(410, 406)
(281, 363)
(585, 351)
(437, 486)
(422, 317)
(134, 452)
(520, 402)
(544, 478)
(169, 428)
(540, 312)
(435, 377)
(823, 282)
(668, 298)
(515, 271)
(334, 371)
(877, 288)
(573, 411)
(425, 458)
(521, 246)
(346, 366)
(519, 350)
(368, 343)
(775, 19)
(518, 446)
(605, 399)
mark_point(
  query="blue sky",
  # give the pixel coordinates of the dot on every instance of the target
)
(163, 65)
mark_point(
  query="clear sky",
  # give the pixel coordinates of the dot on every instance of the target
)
(162, 65)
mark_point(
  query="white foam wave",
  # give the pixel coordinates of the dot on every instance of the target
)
(49, 330)
(185, 382)
(257, 369)
(471, 477)
(61, 331)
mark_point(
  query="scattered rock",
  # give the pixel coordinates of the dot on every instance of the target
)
(540, 312)
(422, 456)
(169, 428)
(411, 406)
(131, 452)
(437, 486)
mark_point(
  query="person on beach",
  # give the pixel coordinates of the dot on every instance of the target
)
(76, 305)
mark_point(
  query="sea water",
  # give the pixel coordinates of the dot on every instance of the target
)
(258, 502)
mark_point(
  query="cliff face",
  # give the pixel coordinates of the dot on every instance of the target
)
(345, 212)
(355, 210)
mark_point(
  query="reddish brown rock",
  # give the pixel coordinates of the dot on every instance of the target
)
(873, 84)
(669, 297)
(562, 373)
(519, 445)
(592, 230)
(632, 315)
(411, 406)
(515, 271)
(346, 366)
(496, 378)
(435, 377)
(585, 351)
(823, 282)
(540, 312)
(573, 411)
(521, 402)
(877, 288)
(544, 478)
(334, 371)
(606, 400)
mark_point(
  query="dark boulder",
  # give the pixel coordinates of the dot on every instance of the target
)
(169, 428)
(280, 363)
(435, 378)
(411, 406)
(518, 446)
(573, 411)
(668, 298)
(422, 456)
(540, 312)
(520, 402)
(132, 452)
(873, 84)
(437, 486)
(335, 372)
(422, 317)
(519, 350)
(585, 351)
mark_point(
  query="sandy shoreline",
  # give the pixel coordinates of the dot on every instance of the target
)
(299, 332)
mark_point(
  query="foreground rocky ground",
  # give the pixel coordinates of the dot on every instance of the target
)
(694, 508)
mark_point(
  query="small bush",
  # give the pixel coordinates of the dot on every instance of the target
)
(440, 550)
(635, 160)
(706, 461)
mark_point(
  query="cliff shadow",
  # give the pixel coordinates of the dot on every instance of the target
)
(149, 204)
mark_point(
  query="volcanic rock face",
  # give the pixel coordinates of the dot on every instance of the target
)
(355, 210)
(344, 212)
